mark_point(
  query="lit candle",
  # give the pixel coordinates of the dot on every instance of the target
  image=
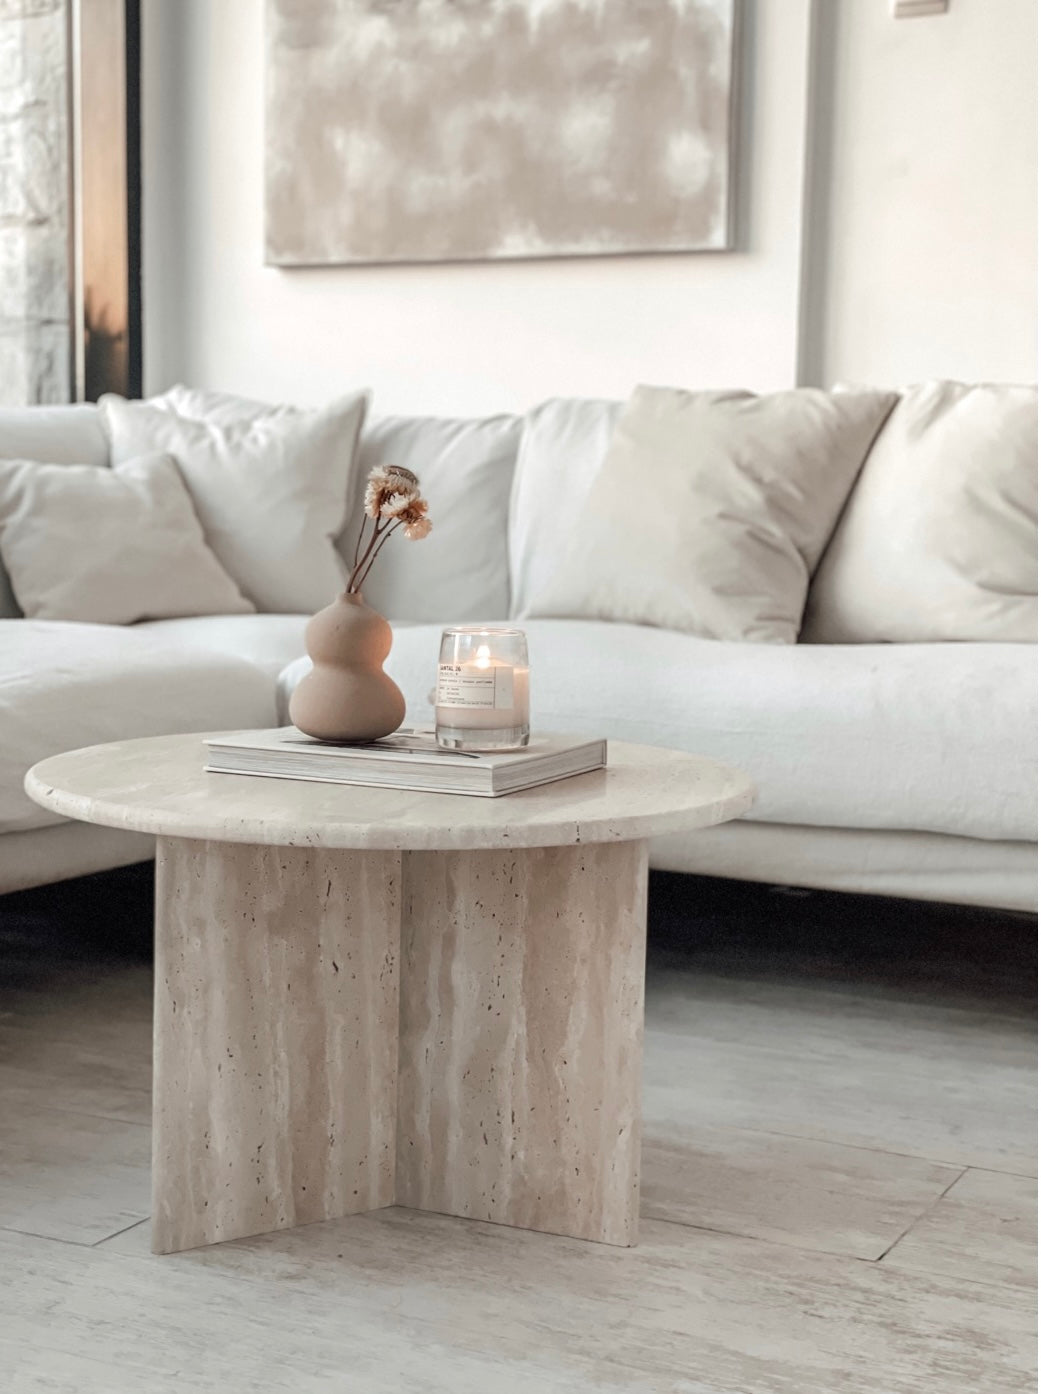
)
(482, 689)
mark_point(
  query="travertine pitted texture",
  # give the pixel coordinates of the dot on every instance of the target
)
(367, 995)
(159, 785)
(275, 1038)
(521, 1037)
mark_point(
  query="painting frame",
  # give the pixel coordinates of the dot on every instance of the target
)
(319, 209)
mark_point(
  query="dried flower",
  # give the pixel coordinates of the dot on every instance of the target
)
(392, 501)
(417, 524)
(396, 505)
(388, 482)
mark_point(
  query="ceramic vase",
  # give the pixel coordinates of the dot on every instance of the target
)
(347, 696)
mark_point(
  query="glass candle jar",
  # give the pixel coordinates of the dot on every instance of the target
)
(482, 689)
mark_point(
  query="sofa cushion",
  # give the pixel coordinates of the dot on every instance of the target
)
(924, 737)
(72, 435)
(712, 509)
(270, 490)
(218, 408)
(57, 435)
(267, 641)
(939, 540)
(68, 685)
(465, 467)
(108, 545)
(460, 572)
(562, 448)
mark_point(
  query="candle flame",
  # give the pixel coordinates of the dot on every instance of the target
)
(484, 656)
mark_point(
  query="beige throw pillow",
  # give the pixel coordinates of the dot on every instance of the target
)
(711, 510)
(939, 541)
(108, 546)
(270, 488)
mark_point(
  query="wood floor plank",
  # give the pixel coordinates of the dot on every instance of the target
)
(984, 1229)
(817, 1195)
(72, 1176)
(74, 1001)
(77, 1072)
(814, 1117)
(918, 1078)
(724, 1314)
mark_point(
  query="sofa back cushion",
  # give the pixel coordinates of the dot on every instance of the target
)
(459, 574)
(562, 449)
(58, 435)
(939, 539)
(712, 509)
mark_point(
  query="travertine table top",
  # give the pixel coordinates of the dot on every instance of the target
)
(158, 785)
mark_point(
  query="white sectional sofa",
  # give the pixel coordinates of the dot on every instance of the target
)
(902, 769)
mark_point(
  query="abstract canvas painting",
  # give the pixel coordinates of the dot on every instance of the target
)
(454, 130)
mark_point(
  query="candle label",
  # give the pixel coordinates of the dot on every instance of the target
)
(462, 685)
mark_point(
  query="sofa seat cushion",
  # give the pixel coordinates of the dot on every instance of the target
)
(68, 685)
(267, 641)
(921, 737)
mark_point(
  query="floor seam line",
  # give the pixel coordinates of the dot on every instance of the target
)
(918, 1218)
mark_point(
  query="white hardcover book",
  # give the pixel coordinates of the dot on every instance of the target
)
(408, 759)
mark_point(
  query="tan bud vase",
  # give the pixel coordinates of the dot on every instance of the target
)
(347, 696)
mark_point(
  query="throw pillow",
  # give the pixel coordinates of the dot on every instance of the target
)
(270, 490)
(561, 451)
(218, 408)
(465, 469)
(712, 509)
(61, 435)
(108, 546)
(939, 540)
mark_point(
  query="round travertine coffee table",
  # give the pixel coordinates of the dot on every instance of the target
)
(368, 997)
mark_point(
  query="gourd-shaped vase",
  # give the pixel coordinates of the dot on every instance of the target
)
(347, 696)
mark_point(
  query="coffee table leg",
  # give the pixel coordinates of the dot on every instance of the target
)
(519, 1087)
(276, 1037)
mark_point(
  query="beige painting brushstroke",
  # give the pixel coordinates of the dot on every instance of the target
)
(441, 130)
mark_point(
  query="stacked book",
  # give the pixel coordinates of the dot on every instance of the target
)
(409, 759)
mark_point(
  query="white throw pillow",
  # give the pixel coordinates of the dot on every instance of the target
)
(270, 489)
(712, 509)
(218, 408)
(939, 540)
(60, 435)
(562, 449)
(459, 573)
(108, 546)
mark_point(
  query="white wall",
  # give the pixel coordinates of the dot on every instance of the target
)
(927, 197)
(470, 338)
(917, 259)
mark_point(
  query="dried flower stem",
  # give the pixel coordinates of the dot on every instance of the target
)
(361, 534)
(386, 533)
(378, 535)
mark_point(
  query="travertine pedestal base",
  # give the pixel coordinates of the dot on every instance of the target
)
(276, 1038)
(278, 1094)
(522, 1035)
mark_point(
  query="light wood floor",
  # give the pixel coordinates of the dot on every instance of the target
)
(837, 1198)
